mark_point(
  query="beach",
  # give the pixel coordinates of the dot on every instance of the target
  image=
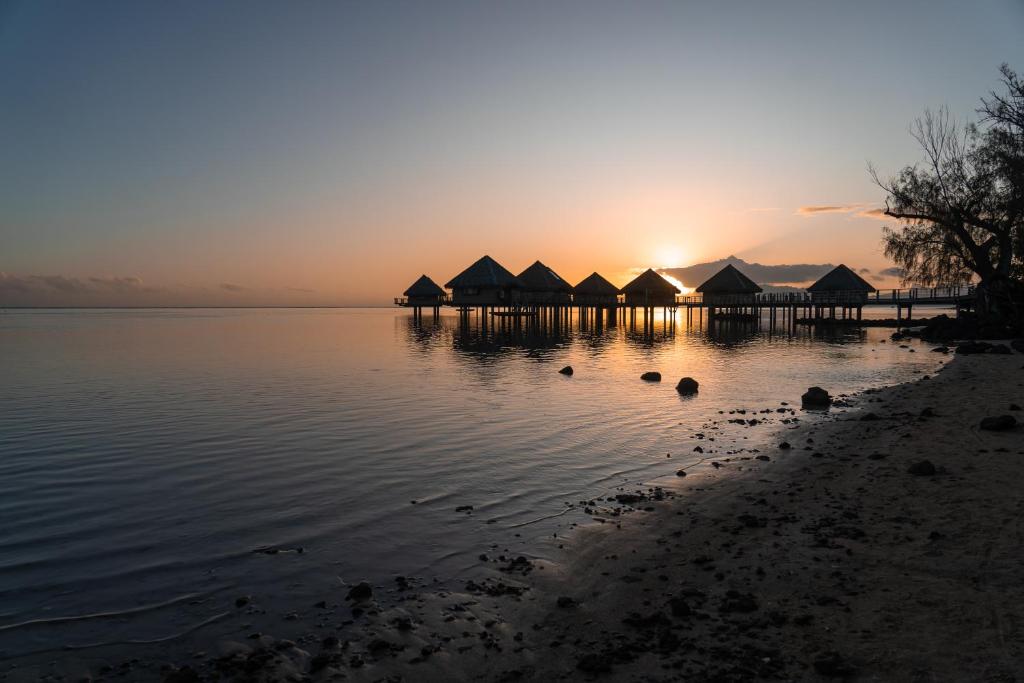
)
(839, 556)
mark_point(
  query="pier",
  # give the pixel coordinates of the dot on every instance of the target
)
(493, 295)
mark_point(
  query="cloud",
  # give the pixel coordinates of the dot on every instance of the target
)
(301, 289)
(120, 284)
(859, 210)
(814, 210)
(694, 275)
(892, 272)
(864, 271)
(231, 288)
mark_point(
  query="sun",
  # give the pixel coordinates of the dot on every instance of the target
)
(669, 256)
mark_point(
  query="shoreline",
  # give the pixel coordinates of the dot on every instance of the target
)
(822, 560)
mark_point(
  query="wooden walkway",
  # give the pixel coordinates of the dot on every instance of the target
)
(793, 305)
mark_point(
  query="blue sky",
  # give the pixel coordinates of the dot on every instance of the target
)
(331, 152)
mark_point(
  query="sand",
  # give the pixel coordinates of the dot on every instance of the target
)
(825, 560)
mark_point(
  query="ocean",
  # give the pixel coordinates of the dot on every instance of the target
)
(157, 464)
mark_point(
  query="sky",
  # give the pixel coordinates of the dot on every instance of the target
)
(328, 153)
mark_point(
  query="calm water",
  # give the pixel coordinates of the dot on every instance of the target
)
(145, 454)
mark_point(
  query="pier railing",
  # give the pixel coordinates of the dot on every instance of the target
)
(882, 297)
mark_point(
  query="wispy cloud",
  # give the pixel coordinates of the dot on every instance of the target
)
(70, 285)
(860, 210)
(892, 272)
(227, 286)
(876, 213)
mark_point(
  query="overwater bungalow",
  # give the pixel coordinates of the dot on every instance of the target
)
(650, 290)
(424, 293)
(544, 287)
(729, 288)
(840, 287)
(485, 283)
(594, 290)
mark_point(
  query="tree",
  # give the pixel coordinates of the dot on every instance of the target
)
(961, 210)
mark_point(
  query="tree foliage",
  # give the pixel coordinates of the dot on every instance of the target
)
(961, 209)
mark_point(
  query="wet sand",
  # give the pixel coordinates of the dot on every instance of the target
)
(828, 559)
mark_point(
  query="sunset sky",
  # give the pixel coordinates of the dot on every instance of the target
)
(328, 153)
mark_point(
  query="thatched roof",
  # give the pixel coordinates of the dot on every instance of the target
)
(595, 285)
(424, 287)
(729, 280)
(649, 281)
(841, 279)
(540, 278)
(484, 274)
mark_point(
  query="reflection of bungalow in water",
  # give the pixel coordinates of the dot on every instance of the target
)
(594, 290)
(840, 287)
(650, 289)
(543, 286)
(729, 288)
(485, 283)
(424, 293)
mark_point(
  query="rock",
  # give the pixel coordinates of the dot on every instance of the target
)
(680, 473)
(998, 424)
(739, 602)
(1001, 349)
(185, 674)
(785, 446)
(833, 665)
(567, 370)
(941, 349)
(1017, 345)
(242, 601)
(869, 417)
(360, 592)
(594, 663)
(816, 397)
(970, 347)
(927, 412)
(679, 607)
(1014, 406)
(687, 386)
(923, 468)
(651, 377)
(464, 508)
(565, 601)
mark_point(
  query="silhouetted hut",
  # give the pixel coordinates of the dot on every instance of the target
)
(729, 288)
(842, 287)
(424, 293)
(485, 283)
(594, 290)
(650, 289)
(543, 286)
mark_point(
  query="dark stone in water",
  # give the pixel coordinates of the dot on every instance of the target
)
(785, 446)
(464, 508)
(651, 377)
(1001, 349)
(565, 601)
(1017, 345)
(567, 370)
(680, 473)
(360, 592)
(687, 386)
(998, 424)
(923, 468)
(816, 397)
